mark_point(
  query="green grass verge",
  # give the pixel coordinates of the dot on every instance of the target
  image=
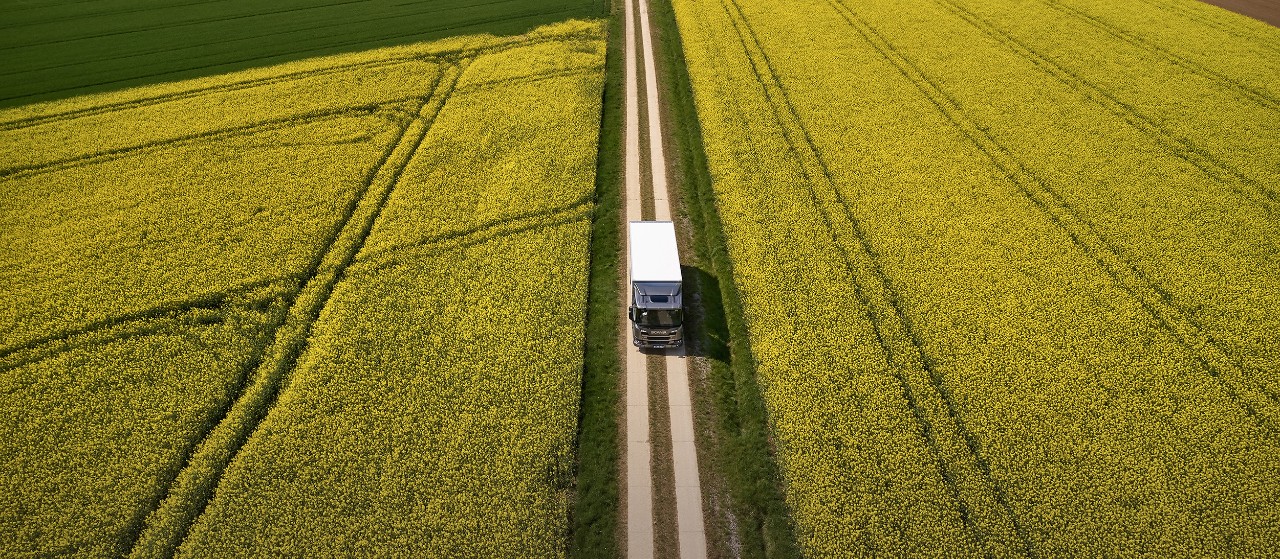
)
(594, 528)
(744, 457)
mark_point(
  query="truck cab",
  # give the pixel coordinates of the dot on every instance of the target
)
(657, 304)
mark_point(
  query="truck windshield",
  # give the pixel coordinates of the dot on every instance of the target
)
(665, 318)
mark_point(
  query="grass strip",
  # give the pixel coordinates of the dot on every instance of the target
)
(594, 527)
(745, 457)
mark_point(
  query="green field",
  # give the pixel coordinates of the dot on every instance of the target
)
(219, 293)
(1008, 268)
(54, 50)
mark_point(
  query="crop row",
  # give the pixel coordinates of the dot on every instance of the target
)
(77, 222)
(1130, 229)
(190, 220)
(1210, 59)
(91, 243)
(859, 473)
(998, 367)
(424, 414)
(1066, 69)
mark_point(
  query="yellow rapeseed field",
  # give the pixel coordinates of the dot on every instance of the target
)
(331, 306)
(1008, 268)
(439, 401)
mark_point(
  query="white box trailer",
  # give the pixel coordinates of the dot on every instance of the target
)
(657, 308)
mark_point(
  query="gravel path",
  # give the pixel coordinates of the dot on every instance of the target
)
(692, 534)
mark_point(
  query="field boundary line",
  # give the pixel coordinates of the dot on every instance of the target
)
(246, 130)
(328, 50)
(445, 57)
(981, 502)
(1185, 149)
(39, 120)
(1224, 27)
(168, 310)
(1257, 401)
(594, 527)
(1251, 93)
(193, 487)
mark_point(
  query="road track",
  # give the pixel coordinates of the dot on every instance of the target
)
(639, 473)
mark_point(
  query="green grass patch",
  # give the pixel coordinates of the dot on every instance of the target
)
(54, 51)
(594, 529)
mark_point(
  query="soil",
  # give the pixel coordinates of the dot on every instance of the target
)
(1265, 10)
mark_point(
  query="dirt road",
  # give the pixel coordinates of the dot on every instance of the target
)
(639, 471)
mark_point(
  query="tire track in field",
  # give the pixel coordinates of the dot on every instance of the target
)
(446, 56)
(177, 322)
(1254, 94)
(38, 120)
(392, 256)
(65, 339)
(981, 501)
(528, 78)
(290, 121)
(1176, 9)
(194, 484)
(1185, 149)
(1254, 398)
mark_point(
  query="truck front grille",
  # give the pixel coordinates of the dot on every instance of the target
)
(659, 339)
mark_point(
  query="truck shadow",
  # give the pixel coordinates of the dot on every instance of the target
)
(706, 329)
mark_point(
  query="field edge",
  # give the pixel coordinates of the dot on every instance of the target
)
(594, 527)
(742, 456)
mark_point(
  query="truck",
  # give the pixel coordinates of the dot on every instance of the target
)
(657, 307)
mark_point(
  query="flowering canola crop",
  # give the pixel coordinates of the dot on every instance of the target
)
(438, 401)
(331, 306)
(1007, 268)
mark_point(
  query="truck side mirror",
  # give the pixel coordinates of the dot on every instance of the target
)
(631, 313)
